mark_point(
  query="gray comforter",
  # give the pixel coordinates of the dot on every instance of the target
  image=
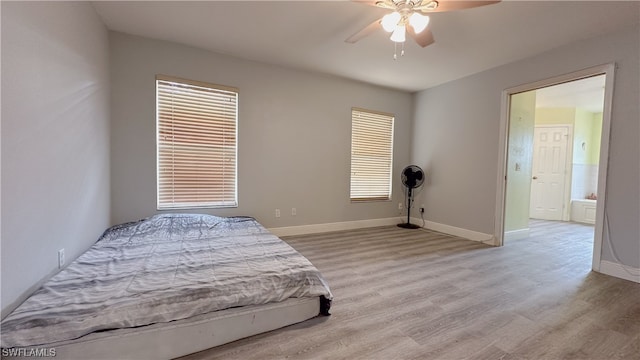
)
(163, 268)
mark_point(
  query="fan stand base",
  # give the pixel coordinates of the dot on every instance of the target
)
(409, 226)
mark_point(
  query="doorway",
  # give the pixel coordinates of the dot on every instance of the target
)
(545, 145)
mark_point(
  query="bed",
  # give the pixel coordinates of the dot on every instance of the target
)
(167, 286)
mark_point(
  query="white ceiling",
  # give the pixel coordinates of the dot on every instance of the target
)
(310, 35)
(586, 94)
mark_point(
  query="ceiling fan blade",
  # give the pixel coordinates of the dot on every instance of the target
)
(364, 32)
(455, 5)
(385, 4)
(424, 39)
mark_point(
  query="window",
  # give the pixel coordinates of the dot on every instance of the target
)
(196, 144)
(371, 155)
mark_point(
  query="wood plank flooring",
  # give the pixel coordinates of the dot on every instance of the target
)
(418, 294)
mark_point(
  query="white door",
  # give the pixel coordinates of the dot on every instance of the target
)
(550, 146)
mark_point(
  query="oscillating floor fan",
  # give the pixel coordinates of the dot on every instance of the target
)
(412, 177)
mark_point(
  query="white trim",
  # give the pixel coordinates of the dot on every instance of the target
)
(603, 165)
(517, 234)
(620, 271)
(568, 172)
(456, 231)
(505, 105)
(609, 71)
(337, 226)
(359, 224)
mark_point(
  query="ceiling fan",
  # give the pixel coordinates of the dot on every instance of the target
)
(407, 18)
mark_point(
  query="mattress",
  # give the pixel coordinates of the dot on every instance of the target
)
(165, 268)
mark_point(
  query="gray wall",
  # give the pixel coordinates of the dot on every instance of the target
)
(55, 139)
(294, 134)
(455, 137)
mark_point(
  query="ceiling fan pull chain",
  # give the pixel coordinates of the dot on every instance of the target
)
(402, 51)
(395, 51)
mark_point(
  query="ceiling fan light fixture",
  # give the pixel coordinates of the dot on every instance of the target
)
(399, 34)
(390, 21)
(418, 22)
(410, 15)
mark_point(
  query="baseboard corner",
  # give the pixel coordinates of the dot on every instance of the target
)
(620, 271)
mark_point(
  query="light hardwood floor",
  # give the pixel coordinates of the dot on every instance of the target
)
(417, 294)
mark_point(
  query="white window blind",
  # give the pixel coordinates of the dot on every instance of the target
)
(371, 155)
(196, 144)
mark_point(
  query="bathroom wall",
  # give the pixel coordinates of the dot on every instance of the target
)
(587, 130)
(586, 150)
(519, 162)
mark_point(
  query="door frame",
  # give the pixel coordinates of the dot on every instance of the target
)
(568, 169)
(609, 71)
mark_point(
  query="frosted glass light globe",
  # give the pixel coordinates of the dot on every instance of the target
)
(390, 21)
(399, 34)
(418, 22)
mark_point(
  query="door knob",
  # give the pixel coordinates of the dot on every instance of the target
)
(535, 178)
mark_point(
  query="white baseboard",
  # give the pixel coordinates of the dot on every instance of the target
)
(517, 234)
(620, 271)
(456, 231)
(359, 224)
(337, 226)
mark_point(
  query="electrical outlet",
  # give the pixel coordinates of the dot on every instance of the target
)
(399, 206)
(422, 210)
(277, 213)
(293, 211)
(60, 258)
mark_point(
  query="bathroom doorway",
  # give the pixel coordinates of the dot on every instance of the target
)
(567, 139)
(555, 142)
